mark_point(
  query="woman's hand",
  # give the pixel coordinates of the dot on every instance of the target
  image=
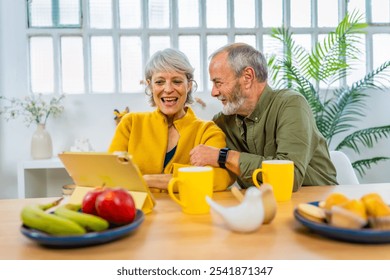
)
(157, 181)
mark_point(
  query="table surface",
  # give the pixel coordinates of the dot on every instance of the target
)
(169, 234)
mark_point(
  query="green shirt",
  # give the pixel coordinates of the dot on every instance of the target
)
(281, 126)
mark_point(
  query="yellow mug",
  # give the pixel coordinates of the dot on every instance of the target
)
(280, 175)
(194, 183)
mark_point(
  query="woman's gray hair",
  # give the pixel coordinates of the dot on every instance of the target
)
(240, 56)
(169, 60)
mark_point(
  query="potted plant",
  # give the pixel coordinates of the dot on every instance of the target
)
(336, 109)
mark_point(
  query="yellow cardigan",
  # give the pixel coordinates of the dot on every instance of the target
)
(145, 137)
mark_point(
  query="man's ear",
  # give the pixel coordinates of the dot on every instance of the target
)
(248, 75)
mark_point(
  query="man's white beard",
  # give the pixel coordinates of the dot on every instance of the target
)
(231, 108)
(235, 102)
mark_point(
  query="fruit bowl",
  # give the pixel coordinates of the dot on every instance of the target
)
(88, 239)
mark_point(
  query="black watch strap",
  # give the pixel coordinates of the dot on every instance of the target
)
(223, 153)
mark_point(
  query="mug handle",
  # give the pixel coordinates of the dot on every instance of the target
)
(171, 184)
(254, 176)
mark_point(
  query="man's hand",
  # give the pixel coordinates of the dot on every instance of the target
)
(203, 155)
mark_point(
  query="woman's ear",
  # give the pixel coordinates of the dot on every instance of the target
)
(192, 86)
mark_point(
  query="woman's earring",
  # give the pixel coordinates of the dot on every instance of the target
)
(148, 91)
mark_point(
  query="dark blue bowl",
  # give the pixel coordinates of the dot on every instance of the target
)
(364, 235)
(88, 239)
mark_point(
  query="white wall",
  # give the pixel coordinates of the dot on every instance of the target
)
(12, 70)
(376, 114)
(91, 116)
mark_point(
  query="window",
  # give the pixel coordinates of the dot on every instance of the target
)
(101, 46)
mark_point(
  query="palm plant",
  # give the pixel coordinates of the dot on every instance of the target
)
(336, 109)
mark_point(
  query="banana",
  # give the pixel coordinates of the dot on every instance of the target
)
(87, 221)
(36, 217)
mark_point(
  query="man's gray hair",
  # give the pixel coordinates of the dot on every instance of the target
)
(240, 56)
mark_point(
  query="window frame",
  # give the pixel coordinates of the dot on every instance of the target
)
(174, 32)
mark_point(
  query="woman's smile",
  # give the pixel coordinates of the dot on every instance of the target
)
(170, 90)
(169, 100)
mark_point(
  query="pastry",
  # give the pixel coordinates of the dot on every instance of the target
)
(351, 214)
(371, 201)
(311, 212)
(378, 211)
(333, 199)
(380, 222)
(371, 196)
(330, 201)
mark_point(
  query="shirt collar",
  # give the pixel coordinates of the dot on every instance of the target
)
(263, 102)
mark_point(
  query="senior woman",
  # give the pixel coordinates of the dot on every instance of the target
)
(160, 141)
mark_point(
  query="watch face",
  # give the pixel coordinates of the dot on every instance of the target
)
(222, 157)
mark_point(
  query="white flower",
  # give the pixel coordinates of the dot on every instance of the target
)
(33, 109)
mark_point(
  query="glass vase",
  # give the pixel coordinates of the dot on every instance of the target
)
(41, 144)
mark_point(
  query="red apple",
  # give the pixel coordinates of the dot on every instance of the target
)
(89, 201)
(116, 205)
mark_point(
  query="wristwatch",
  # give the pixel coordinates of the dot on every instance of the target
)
(223, 153)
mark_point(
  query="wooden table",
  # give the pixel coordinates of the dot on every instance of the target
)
(167, 233)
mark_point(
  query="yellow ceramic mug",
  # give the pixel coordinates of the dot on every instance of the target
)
(280, 175)
(194, 184)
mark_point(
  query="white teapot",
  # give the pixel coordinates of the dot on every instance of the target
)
(258, 206)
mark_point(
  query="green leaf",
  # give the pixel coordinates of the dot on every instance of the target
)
(365, 137)
(362, 165)
(336, 111)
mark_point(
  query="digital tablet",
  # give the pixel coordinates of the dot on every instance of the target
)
(94, 169)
